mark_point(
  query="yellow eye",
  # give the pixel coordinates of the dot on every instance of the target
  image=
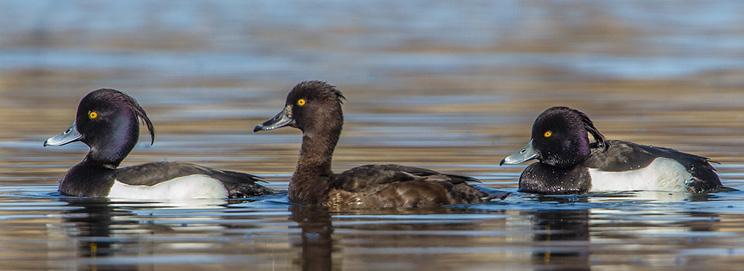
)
(548, 133)
(92, 115)
(301, 102)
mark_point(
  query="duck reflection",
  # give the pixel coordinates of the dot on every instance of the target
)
(93, 226)
(562, 237)
(315, 241)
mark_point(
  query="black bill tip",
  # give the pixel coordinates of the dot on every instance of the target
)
(258, 128)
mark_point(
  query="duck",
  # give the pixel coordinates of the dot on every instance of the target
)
(315, 108)
(569, 163)
(107, 121)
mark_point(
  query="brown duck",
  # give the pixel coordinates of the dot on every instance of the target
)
(314, 107)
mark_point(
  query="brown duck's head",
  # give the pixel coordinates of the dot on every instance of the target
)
(311, 106)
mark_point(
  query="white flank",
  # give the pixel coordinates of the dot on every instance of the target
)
(187, 187)
(663, 174)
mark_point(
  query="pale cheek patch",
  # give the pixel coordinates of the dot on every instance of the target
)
(186, 187)
(663, 174)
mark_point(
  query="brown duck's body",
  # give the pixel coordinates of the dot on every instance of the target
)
(315, 108)
(375, 186)
(395, 186)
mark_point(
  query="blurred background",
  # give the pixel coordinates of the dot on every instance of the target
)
(452, 86)
(429, 83)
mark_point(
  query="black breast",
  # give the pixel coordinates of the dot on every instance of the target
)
(545, 179)
(87, 181)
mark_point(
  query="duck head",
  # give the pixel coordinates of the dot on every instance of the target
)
(311, 106)
(107, 120)
(559, 138)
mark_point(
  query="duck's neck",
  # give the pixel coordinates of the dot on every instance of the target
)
(93, 160)
(312, 178)
(94, 176)
(110, 153)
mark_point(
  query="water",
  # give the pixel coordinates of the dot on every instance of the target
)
(436, 85)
